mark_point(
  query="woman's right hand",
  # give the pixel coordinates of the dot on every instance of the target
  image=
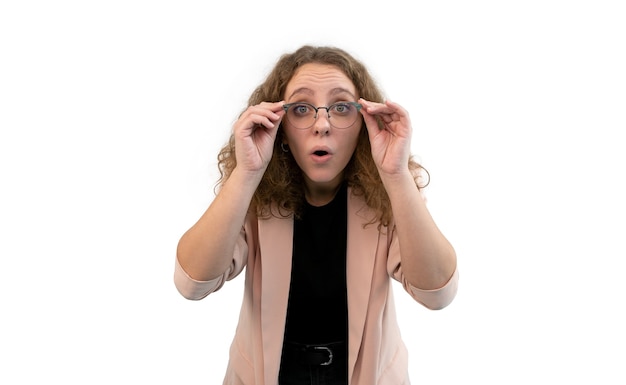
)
(255, 133)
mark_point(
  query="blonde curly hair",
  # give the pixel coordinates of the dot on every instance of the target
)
(282, 186)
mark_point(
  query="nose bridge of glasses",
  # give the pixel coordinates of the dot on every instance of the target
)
(316, 116)
(317, 110)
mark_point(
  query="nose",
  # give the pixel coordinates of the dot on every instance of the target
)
(322, 123)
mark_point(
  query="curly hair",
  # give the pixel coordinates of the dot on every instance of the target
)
(282, 185)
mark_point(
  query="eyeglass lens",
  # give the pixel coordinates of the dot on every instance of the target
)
(340, 115)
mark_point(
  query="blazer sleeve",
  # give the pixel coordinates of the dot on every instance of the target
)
(195, 290)
(432, 299)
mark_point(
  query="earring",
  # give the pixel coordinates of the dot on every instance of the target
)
(282, 147)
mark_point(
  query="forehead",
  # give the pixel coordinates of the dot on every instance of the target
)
(315, 78)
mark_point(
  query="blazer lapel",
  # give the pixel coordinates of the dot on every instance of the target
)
(361, 255)
(276, 244)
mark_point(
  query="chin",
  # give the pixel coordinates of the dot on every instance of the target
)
(324, 178)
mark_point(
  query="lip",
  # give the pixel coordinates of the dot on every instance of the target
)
(317, 158)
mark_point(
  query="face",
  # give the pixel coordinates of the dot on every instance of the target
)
(322, 151)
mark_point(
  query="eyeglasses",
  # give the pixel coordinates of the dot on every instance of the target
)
(340, 115)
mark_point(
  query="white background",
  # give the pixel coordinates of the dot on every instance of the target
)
(112, 113)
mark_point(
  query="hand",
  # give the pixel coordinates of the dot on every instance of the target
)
(255, 132)
(391, 145)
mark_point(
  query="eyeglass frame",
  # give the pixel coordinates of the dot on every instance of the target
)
(327, 108)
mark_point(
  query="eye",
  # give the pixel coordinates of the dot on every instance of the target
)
(342, 108)
(301, 109)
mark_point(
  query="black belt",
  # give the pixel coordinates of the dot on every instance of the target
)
(314, 355)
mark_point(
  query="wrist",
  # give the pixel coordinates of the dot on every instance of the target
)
(243, 177)
(394, 178)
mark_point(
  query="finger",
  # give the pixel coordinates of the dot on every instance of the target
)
(276, 107)
(374, 108)
(256, 112)
(387, 108)
(370, 120)
(263, 121)
(386, 118)
(371, 124)
(264, 114)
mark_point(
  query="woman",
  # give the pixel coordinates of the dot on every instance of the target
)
(320, 202)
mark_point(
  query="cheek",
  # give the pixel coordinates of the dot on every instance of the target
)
(348, 147)
(296, 145)
(353, 141)
(292, 139)
(288, 136)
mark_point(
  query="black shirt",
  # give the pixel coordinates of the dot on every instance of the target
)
(317, 311)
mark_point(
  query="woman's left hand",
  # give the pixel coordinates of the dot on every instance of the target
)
(391, 144)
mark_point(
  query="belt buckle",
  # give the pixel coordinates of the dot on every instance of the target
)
(330, 354)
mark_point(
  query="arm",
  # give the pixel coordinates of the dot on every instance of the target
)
(205, 251)
(428, 259)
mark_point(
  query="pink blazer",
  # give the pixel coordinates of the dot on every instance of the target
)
(376, 352)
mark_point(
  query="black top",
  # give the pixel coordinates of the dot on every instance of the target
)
(317, 311)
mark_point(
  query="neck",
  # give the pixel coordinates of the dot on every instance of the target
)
(321, 194)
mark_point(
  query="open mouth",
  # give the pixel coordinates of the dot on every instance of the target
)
(320, 153)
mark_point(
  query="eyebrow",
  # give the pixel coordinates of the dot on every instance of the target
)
(308, 91)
